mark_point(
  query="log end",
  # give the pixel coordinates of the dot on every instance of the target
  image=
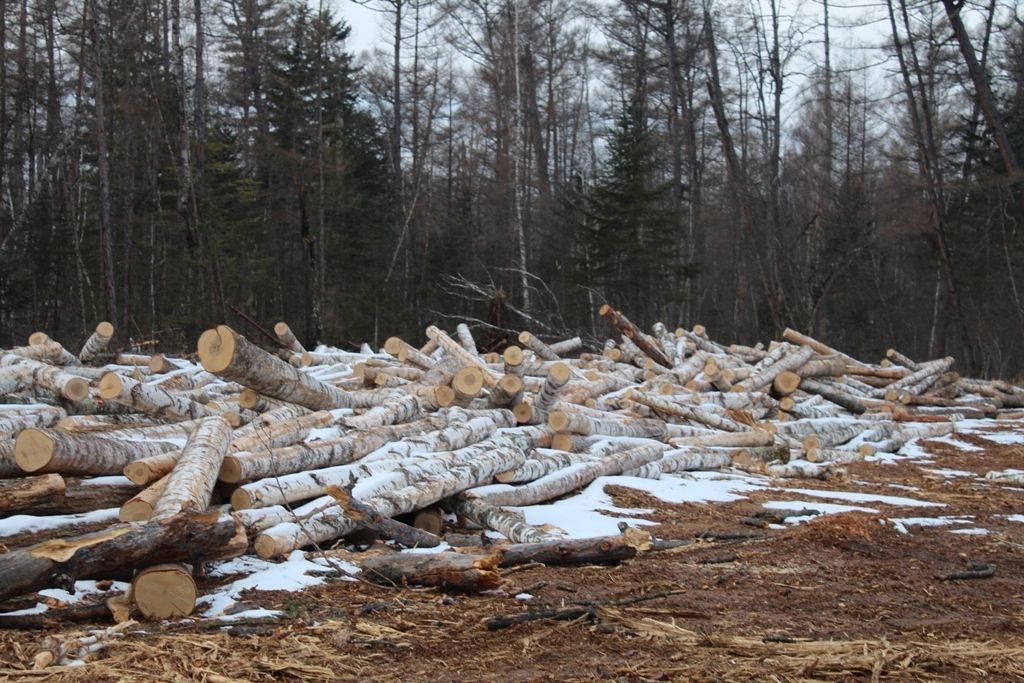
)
(105, 330)
(523, 413)
(110, 385)
(76, 389)
(513, 355)
(511, 384)
(525, 337)
(281, 329)
(38, 338)
(558, 420)
(164, 591)
(393, 345)
(248, 399)
(469, 381)
(33, 449)
(138, 473)
(430, 520)
(216, 349)
(135, 511)
(242, 500)
(267, 547)
(604, 309)
(444, 396)
(559, 442)
(560, 371)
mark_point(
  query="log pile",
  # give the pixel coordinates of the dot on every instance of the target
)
(310, 446)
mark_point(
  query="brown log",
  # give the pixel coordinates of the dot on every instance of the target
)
(451, 571)
(17, 495)
(597, 550)
(115, 552)
(473, 507)
(145, 471)
(628, 330)
(159, 364)
(226, 354)
(48, 450)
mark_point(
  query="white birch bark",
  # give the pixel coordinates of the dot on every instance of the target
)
(190, 486)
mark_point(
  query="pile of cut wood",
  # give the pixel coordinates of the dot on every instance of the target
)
(252, 451)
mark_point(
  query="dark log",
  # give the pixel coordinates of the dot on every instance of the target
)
(77, 495)
(56, 618)
(115, 552)
(599, 550)
(562, 614)
(629, 330)
(454, 571)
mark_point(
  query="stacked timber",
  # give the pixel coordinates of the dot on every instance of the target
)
(310, 446)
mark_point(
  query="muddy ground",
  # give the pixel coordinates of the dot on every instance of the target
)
(840, 597)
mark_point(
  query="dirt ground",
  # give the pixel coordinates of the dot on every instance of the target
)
(840, 597)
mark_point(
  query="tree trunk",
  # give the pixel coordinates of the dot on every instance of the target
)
(152, 400)
(226, 354)
(630, 332)
(115, 552)
(46, 450)
(191, 482)
(451, 571)
(96, 342)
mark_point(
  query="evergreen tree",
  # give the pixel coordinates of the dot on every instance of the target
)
(631, 246)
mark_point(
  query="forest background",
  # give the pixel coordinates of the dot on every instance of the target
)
(517, 163)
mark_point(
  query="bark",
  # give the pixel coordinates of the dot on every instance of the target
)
(595, 550)
(683, 460)
(115, 552)
(765, 376)
(472, 506)
(279, 434)
(190, 486)
(757, 437)
(577, 423)
(46, 450)
(97, 341)
(287, 338)
(49, 351)
(40, 416)
(542, 350)
(669, 407)
(566, 346)
(851, 403)
(146, 398)
(24, 494)
(455, 349)
(242, 467)
(226, 354)
(563, 481)
(466, 338)
(833, 437)
(831, 455)
(451, 571)
(467, 384)
(630, 332)
(368, 518)
(406, 353)
(158, 364)
(541, 464)
(477, 469)
(556, 380)
(507, 392)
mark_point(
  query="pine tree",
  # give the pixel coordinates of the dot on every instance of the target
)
(631, 238)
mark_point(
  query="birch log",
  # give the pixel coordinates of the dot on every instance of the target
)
(284, 433)
(97, 341)
(455, 349)
(765, 376)
(392, 411)
(851, 403)
(688, 459)
(145, 471)
(190, 485)
(556, 380)
(563, 481)
(140, 507)
(287, 338)
(566, 346)
(47, 450)
(228, 355)
(152, 400)
(472, 506)
(537, 346)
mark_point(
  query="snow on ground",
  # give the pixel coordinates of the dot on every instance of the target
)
(29, 524)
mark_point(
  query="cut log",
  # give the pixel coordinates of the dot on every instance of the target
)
(40, 416)
(115, 552)
(140, 507)
(17, 495)
(507, 392)
(368, 518)
(541, 463)
(667, 341)
(287, 338)
(49, 351)
(392, 411)
(537, 346)
(48, 450)
(765, 376)
(556, 380)
(831, 455)
(241, 467)
(563, 481)
(226, 354)
(851, 403)
(466, 338)
(454, 348)
(55, 379)
(756, 437)
(164, 591)
(668, 407)
(516, 530)
(512, 358)
(596, 550)
(566, 346)
(279, 434)
(898, 358)
(158, 364)
(152, 400)
(716, 376)
(467, 384)
(450, 571)
(628, 330)
(190, 486)
(253, 400)
(687, 459)
(578, 423)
